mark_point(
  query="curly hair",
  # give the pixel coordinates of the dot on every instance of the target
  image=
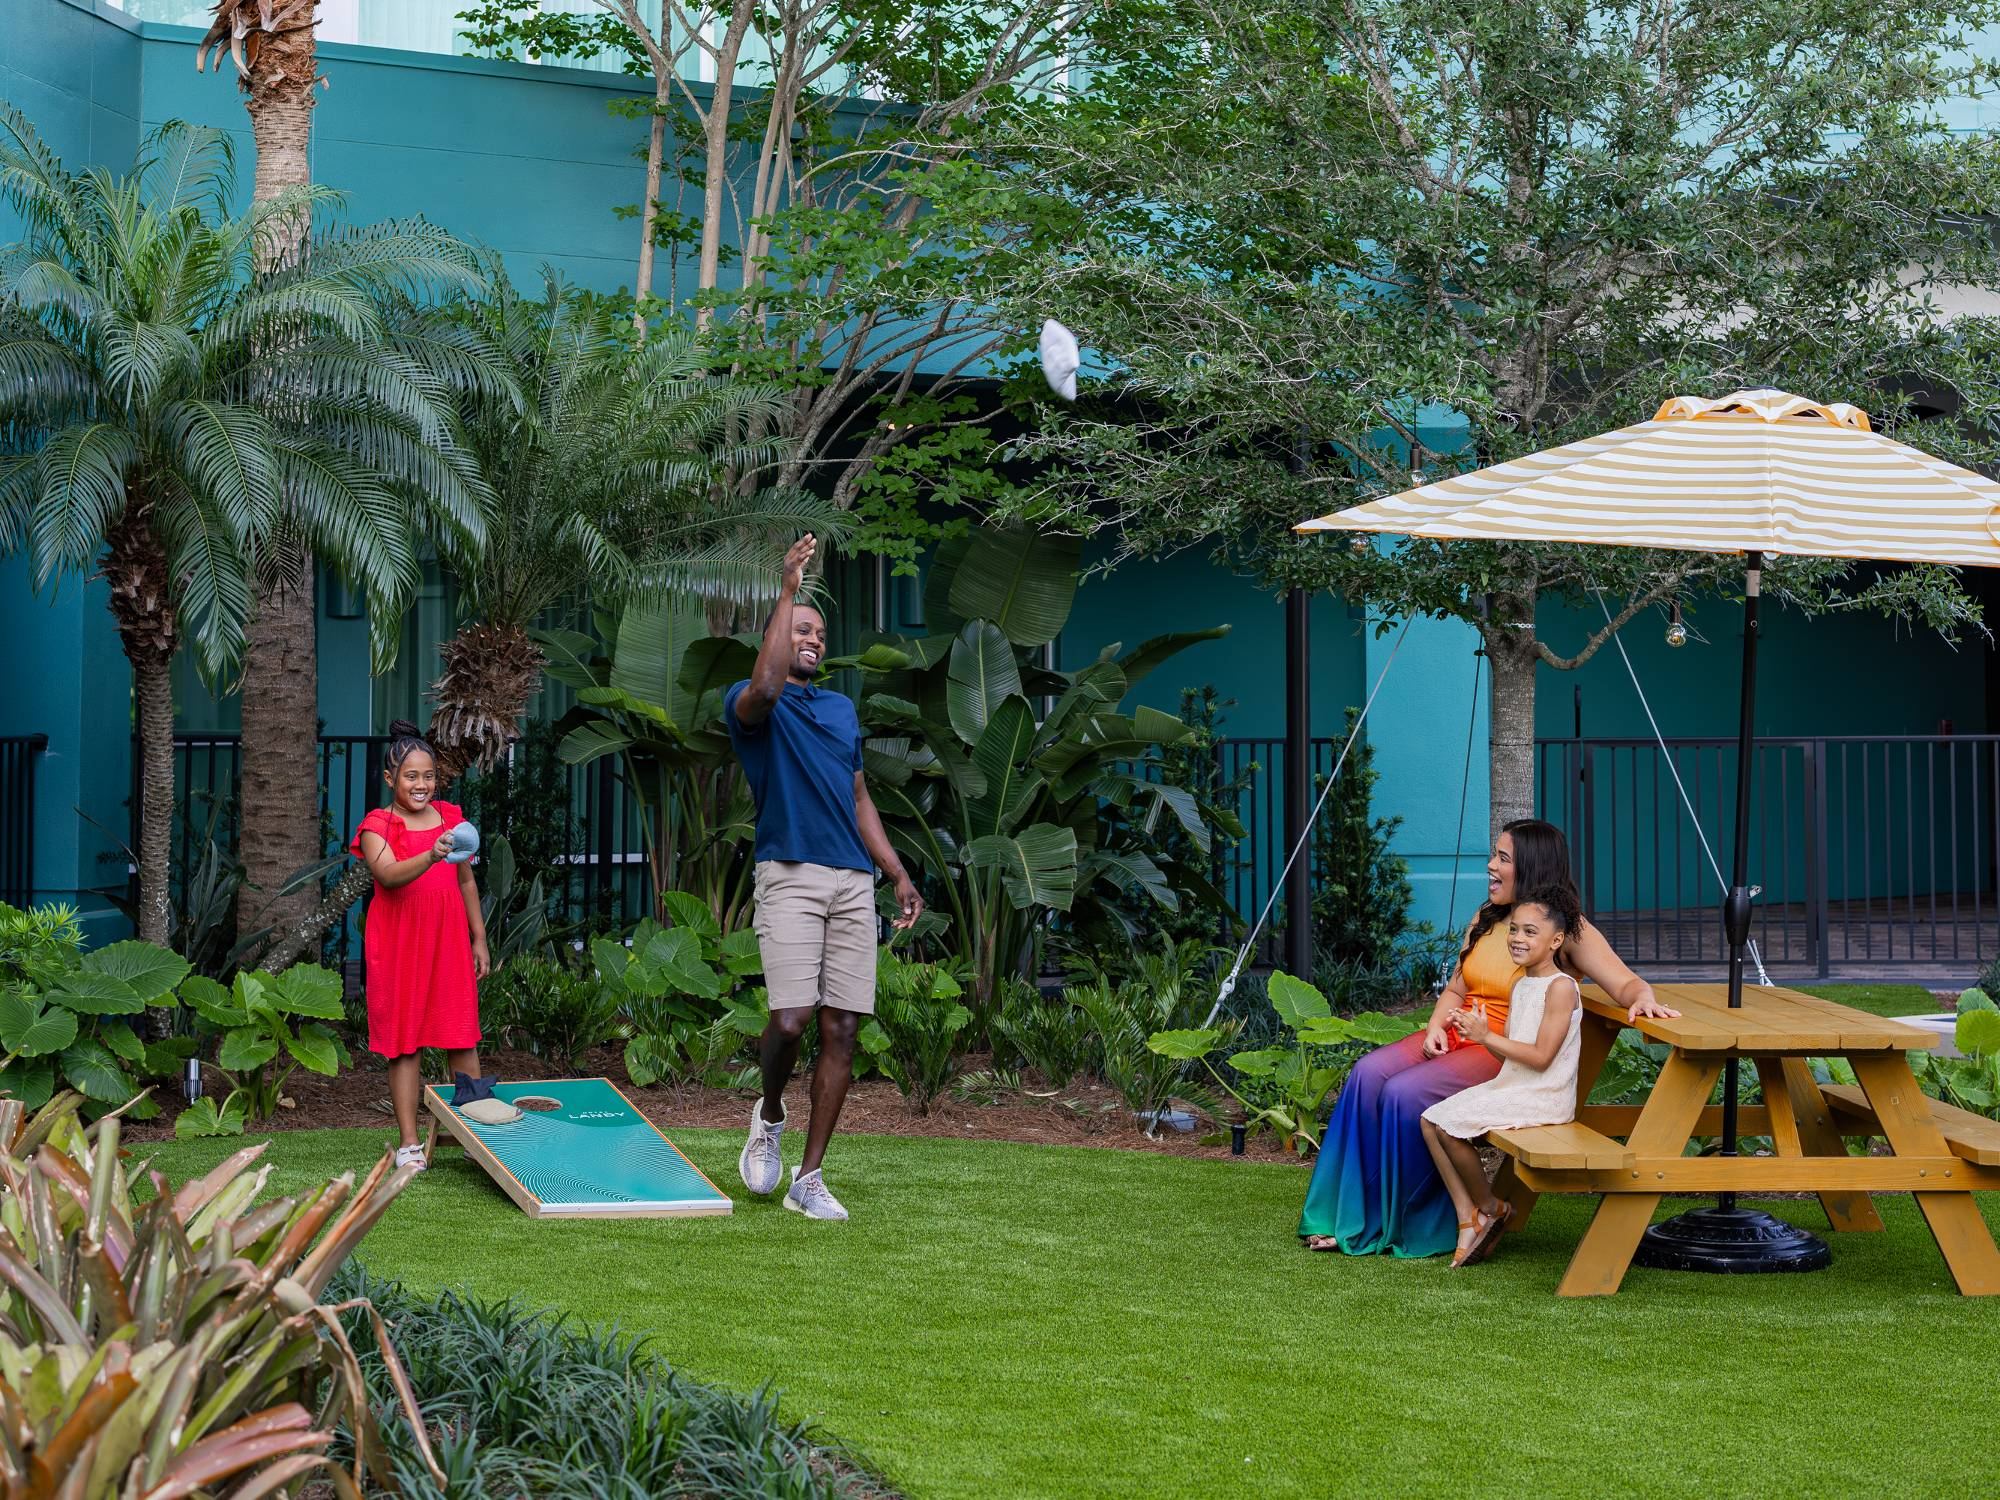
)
(1565, 913)
(1541, 864)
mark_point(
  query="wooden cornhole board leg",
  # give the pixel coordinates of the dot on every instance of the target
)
(1807, 1130)
(1664, 1127)
(1956, 1223)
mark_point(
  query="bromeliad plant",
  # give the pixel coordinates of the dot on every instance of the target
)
(1000, 804)
(1300, 1073)
(917, 1035)
(177, 1346)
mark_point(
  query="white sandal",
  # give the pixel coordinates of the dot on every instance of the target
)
(411, 1156)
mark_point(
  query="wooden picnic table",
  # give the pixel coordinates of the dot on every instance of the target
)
(1631, 1155)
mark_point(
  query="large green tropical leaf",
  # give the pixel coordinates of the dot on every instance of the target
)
(653, 640)
(570, 656)
(94, 994)
(983, 672)
(92, 1069)
(590, 740)
(1132, 869)
(1143, 658)
(1001, 755)
(152, 972)
(1296, 1001)
(316, 1048)
(1037, 866)
(27, 1029)
(244, 1049)
(1023, 581)
(709, 667)
(308, 990)
(940, 572)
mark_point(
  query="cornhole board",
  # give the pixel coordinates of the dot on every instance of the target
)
(593, 1156)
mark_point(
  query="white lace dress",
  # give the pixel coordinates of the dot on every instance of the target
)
(1519, 1095)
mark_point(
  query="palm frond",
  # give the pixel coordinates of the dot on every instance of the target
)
(81, 482)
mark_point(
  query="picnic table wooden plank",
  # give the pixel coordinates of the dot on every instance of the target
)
(1973, 1137)
(1847, 1210)
(1568, 1147)
(1772, 1021)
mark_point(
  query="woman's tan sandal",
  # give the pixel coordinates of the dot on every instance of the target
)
(1460, 1255)
(1491, 1227)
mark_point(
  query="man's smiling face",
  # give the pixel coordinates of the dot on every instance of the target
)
(808, 642)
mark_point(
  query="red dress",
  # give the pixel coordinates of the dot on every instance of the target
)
(418, 947)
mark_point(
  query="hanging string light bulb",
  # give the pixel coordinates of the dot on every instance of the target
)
(1677, 632)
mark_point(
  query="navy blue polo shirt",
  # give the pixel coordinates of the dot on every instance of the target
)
(800, 763)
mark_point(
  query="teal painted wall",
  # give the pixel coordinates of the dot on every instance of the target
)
(528, 160)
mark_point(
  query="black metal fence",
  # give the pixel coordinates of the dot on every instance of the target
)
(18, 754)
(1873, 852)
(603, 874)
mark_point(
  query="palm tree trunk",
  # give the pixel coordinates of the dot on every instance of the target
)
(279, 794)
(135, 572)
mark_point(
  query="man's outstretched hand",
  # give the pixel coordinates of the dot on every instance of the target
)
(798, 557)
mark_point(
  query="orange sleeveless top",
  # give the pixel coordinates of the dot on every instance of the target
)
(1490, 972)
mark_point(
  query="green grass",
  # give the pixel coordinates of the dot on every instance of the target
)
(1880, 999)
(1003, 1320)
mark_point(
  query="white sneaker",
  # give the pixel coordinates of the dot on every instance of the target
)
(762, 1164)
(411, 1156)
(809, 1196)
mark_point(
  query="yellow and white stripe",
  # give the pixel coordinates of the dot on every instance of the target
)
(1756, 471)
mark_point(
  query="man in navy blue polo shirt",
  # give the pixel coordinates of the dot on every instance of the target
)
(819, 841)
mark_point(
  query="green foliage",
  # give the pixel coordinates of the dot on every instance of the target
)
(1327, 254)
(1361, 888)
(1166, 994)
(516, 914)
(1972, 1081)
(526, 801)
(1054, 1037)
(67, 1018)
(270, 1026)
(918, 1034)
(685, 994)
(652, 697)
(174, 1345)
(997, 807)
(1300, 1074)
(545, 1007)
(530, 1403)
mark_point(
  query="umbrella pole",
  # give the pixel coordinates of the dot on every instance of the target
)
(1728, 1239)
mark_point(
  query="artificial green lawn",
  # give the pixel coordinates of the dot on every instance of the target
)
(1881, 999)
(1006, 1320)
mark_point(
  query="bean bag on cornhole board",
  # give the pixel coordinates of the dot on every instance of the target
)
(591, 1155)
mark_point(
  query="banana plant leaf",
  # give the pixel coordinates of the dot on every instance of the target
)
(1037, 866)
(1023, 581)
(983, 673)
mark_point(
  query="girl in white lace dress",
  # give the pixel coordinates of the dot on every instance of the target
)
(1536, 1084)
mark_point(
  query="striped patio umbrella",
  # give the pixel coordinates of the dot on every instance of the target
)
(1756, 472)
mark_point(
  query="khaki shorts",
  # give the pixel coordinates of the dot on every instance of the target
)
(816, 928)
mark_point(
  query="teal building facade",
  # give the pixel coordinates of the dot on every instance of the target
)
(528, 160)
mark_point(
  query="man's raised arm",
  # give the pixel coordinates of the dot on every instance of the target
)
(774, 655)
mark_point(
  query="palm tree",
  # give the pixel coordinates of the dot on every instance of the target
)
(168, 412)
(621, 472)
(277, 65)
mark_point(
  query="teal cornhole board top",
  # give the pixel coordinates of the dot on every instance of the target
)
(593, 1156)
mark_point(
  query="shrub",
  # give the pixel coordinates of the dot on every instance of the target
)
(174, 1346)
(260, 1049)
(1972, 1081)
(918, 1034)
(549, 1009)
(1054, 1037)
(527, 1404)
(1166, 993)
(1361, 889)
(67, 1017)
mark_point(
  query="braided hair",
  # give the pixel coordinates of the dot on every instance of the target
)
(1541, 864)
(404, 741)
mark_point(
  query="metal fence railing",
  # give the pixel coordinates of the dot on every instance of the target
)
(18, 754)
(1871, 851)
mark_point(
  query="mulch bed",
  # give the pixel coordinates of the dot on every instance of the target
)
(1085, 1114)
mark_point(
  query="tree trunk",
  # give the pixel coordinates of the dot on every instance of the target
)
(279, 793)
(309, 931)
(715, 162)
(279, 790)
(656, 150)
(1510, 647)
(135, 572)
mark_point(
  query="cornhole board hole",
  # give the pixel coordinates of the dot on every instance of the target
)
(581, 1151)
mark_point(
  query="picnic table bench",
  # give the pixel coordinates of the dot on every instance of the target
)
(1633, 1154)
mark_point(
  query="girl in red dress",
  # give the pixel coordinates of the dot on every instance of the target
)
(424, 940)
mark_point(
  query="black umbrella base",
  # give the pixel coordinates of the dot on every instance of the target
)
(1731, 1242)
